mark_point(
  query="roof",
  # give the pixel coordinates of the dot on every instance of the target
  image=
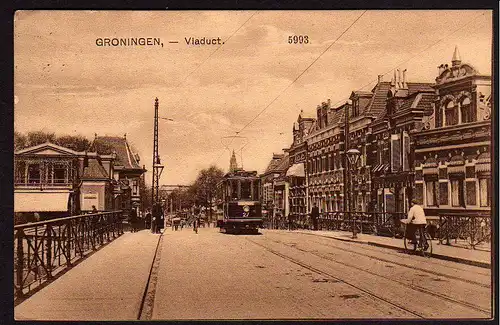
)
(337, 116)
(416, 87)
(94, 170)
(283, 164)
(377, 102)
(271, 167)
(124, 155)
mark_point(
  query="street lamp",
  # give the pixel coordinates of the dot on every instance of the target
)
(352, 156)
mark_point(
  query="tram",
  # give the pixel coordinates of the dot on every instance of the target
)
(238, 200)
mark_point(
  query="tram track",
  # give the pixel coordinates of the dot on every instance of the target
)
(323, 273)
(410, 286)
(416, 268)
(373, 248)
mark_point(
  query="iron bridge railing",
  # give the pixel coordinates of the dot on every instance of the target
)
(470, 230)
(43, 249)
(379, 223)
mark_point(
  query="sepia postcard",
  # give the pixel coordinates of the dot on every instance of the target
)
(254, 165)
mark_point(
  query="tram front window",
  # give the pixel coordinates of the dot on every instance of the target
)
(246, 192)
(234, 190)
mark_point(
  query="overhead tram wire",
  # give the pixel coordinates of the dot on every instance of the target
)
(414, 56)
(302, 73)
(211, 54)
(372, 81)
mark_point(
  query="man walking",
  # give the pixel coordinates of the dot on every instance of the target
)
(315, 216)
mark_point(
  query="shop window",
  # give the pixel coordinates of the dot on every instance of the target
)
(443, 193)
(451, 114)
(470, 189)
(484, 192)
(431, 189)
(457, 192)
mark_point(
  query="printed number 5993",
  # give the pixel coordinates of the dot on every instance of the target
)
(298, 39)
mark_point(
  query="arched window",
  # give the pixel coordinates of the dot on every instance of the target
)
(466, 111)
(451, 114)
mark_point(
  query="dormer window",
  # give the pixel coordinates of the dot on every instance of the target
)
(466, 110)
(451, 114)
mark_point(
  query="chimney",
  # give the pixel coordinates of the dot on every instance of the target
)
(405, 85)
(380, 78)
(440, 69)
(399, 80)
(329, 103)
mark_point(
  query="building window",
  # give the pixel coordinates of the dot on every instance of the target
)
(466, 110)
(406, 151)
(395, 153)
(431, 188)
(443, 193)
(60, 174)
(135, 188)
(457, 192)
(470, 189)
(34, 174)
(484, 192)
(451, 114)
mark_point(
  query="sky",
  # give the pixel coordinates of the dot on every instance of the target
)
(65, 83)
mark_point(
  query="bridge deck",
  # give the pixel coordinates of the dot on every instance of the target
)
(94, 289)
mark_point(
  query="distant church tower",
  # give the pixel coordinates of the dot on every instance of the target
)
(232, 163)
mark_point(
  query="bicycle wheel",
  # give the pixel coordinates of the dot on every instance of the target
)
(427, 251)
(409, 246)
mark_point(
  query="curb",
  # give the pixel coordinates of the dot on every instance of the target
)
(437, 256)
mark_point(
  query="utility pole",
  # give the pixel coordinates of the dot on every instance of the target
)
(157, 167)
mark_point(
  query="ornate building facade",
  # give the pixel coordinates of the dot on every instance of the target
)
(453, 149)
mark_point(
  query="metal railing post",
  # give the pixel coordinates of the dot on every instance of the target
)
(48, 260)
(20, 264)
(68, 243)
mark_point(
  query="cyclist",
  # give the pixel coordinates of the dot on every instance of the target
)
(416, 221)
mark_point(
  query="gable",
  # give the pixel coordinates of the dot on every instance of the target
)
(47, 149)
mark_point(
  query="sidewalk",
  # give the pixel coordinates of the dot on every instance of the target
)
(479, 258)
(108, 285)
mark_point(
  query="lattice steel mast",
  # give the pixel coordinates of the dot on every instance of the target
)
(157, 167)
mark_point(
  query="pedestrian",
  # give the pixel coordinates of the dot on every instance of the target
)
(94, 209)
(147, 221)
(132, 220)
(156, 218)
(315, 216)
(290, 222)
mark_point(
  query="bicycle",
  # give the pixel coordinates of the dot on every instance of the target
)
(419, 245)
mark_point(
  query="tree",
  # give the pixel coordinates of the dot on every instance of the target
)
(74, 142)
(35, 138)
(20, 140)
(205, 187)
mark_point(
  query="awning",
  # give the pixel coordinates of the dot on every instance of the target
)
(430, 171)
(483, 167)
(41, 201)
(296, 170)
(460, 169)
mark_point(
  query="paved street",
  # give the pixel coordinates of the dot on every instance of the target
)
(282, 274)
(274, 275)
